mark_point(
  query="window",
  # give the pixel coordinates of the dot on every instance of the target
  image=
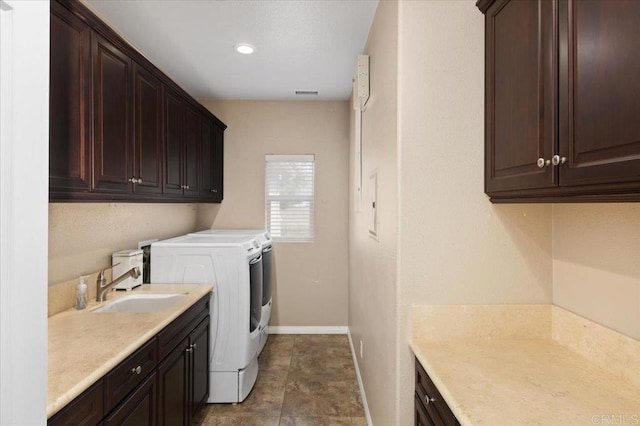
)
(289, 197)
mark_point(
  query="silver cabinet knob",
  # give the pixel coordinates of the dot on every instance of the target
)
(428, 399)
(556, 160)
(187, 187)
(133, 180)
(136, 370)
(215, 191)
(542, 162)
(189, 350)
(139, 180)
(193, 346)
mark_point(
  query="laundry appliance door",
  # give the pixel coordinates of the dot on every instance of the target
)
(255, 273)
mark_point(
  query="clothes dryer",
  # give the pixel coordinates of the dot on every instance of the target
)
(268, 267)
(233, 265)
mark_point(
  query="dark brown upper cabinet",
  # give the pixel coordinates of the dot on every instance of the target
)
(120, 129)
(174, 144)
(211, 167)
(147, 132)
(561, 93)
(69, 101)
(193, 132)
(112, 142)
(183, 144)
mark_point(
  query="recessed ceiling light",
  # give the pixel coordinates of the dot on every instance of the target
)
(244, 48)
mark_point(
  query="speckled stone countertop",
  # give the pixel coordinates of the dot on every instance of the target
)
(85, 345)
(528, 365)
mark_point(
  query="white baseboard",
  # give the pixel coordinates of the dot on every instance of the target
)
(340, 329)
(367, 414)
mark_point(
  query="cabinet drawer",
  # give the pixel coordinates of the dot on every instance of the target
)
(434, 404)
(421, 416)
(172, 335)
(130, 373)
(87, 409)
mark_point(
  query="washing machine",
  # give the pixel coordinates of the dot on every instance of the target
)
(268, 267)
(233, 265)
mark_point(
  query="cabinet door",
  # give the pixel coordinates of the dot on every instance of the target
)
(521, 90)
(139, 409)
(147, 136)
(218, 164)
(173, 387)
(599, 91)
(69, 102)
(199, 339)
(193, 132)
(174, 143)
(211, 182)
(112, 167)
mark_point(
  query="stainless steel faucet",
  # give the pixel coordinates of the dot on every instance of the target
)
(101, 283)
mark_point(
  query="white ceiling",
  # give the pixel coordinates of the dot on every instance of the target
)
(300, 44)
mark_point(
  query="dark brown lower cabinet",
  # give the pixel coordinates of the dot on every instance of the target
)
(85, 410)
(139, 409)
(430, 406)
(422, 418)
(173, 377)
(184, 378)
(165, 382)
(200, 367)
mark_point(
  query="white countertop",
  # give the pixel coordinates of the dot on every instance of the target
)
(83, 346)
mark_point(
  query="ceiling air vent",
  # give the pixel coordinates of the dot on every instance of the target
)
(306, 92)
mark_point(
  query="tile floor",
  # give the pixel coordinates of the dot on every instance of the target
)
(304, 380)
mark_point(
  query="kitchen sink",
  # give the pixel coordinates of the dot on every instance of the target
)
(141, 303)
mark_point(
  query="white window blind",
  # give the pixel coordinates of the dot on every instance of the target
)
(289, 197)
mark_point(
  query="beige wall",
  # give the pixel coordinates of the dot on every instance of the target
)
(455, 247)
(372, 272)
(311, 287)
(82, 236)
(596, 263)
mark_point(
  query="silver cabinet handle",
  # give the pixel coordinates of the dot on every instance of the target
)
(428, 399)
(189, 350)
(542, 163)
(193, 346)
(136, 370)
(133, 180)
(187, 187)
(139, 180)
(214, 191)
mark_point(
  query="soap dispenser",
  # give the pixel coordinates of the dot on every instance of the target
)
(81, 295)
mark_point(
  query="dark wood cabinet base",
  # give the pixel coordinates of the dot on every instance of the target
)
(430, 406)
(165, 382)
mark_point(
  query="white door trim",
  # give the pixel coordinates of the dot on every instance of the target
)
(24, 135)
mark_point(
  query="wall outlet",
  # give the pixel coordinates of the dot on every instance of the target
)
(361, 349)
